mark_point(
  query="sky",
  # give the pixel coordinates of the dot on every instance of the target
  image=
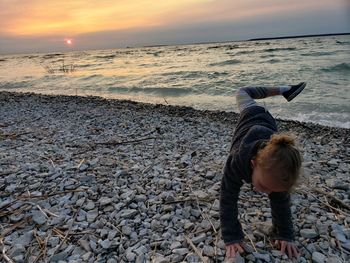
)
(30, 26)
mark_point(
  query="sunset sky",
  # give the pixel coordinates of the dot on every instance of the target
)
(48, 26)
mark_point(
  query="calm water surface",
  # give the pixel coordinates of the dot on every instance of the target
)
(202, 76)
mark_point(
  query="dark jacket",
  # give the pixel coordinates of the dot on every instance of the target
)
(255, 126)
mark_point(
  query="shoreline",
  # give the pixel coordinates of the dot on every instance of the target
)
(86, 179)
(221, 116)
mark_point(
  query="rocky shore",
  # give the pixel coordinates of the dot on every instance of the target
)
(86, 179)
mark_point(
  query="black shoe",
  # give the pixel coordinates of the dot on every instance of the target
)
(294, 91)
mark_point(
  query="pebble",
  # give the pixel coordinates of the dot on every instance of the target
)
(105, 201)
(265, 257)
(128, 213)
(318, 257)
(105, 244)
(136, 202)
(308, 233)
(38, 217)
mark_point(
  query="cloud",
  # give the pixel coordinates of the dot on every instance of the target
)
(44, 17)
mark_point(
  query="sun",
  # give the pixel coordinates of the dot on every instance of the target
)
(69, 41)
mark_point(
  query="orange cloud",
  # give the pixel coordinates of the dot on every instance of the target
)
(44, 17)
(66, 17)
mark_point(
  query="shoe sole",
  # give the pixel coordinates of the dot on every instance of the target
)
(296, 93)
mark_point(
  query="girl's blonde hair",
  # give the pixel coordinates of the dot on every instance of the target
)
(283, 157)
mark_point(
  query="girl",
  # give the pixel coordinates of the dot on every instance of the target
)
(269, 161)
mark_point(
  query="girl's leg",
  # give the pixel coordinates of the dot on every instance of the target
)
(245, 96)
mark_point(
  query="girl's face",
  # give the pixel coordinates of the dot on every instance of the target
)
(265, 181)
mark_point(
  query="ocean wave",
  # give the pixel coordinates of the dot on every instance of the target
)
(272, 61)
(244, 52)
(185, 74)
(226, 63)
(106, 56)
(163, 92)
(317, 53)
(48, 56)
(224, 47)
(279, 49)
(87, 65)
(91, 77)
(15, 85)
(342, 67)
(331, 119)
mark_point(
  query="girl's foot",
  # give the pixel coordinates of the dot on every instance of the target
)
(294, 91)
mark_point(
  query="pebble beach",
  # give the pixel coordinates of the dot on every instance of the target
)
(88, 179)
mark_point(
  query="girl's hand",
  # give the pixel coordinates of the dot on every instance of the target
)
(291, 248)
(232, 249)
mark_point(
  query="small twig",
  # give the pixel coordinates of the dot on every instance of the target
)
(41, 246)
(189, 241)
(125, 142)
(335, 199)
(189, 199)
(66, 236)
(42, 211)
(49, 195)
(4, 253)
(10, 229)
(50, 213)
(251, 241)
(81, 162)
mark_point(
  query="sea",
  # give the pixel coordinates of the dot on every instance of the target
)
(202, 76)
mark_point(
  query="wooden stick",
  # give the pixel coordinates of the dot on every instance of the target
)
(125, 142)
(251, 241)
(42, 211)
(66, 236)
(49, 195)
(10, 229)
(335, 199)
(189, 241)
(4, 253)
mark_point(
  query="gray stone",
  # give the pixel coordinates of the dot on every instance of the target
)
(105, 201)
(208, 251)
(141, 250)
(38, 217)
(91, 216)
(196, 240)
(54, 241)
(265, 257)
(90, 205)
(59, 257)
(130, 256)
(318, 257)
(308, 233)
(126, 230)
(216, 205)
(26, 238)
(106, 244)
(112, 234)
(84, 244)
(17, 249)
(175, 244)
(334, 259)
(346, 245)
(159, 259)
(180, 251)
(93, 245)
(128, 213)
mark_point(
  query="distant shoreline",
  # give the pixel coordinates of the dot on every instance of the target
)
(299, 36)
(244, 40)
